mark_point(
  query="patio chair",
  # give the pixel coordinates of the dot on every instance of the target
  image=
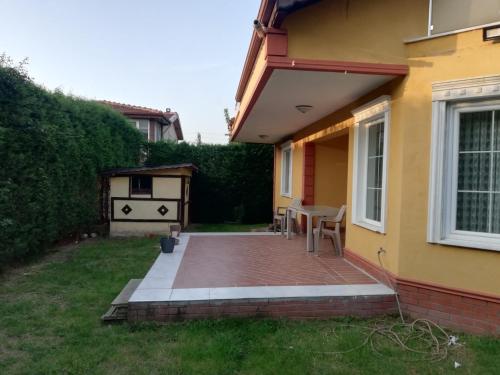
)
(280, 217)
(321, 231)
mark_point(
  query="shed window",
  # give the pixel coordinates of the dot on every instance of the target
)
(142, 184)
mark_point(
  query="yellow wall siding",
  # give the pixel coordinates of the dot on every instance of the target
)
(463, 55)
(165, 187)
(356, 30)
(297, 172)
(330, 172)
(255, 76)
(408, 255)
(124, 229)
(119, 186)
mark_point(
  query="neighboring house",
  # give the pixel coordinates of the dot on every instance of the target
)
(146, 200)
(392, 107)
(156, 125)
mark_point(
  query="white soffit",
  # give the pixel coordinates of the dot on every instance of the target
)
(274, 114)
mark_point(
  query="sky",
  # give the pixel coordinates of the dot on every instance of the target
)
(185, 55)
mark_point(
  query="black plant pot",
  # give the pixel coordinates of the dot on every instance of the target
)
(167, 244)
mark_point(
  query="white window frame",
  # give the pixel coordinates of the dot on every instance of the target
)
(449, 100)
(374, 112)
(286, 147)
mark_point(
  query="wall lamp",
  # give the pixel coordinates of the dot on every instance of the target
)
(260, 29)
(491, 33)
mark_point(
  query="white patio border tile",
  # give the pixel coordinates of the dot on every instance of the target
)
(151, 295)
(157, 284)
(302, 291)
(162, 274)
(233, 234)
(191, 294)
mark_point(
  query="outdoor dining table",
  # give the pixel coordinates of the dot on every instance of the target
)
(309, 211)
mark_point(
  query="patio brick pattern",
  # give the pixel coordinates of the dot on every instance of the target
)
(230, 261)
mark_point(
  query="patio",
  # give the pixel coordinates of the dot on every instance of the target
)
(254, 274)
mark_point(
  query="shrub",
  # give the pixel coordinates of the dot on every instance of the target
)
(52, 149)
(234, 181)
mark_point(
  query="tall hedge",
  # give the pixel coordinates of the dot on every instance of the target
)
(52, 148)
(234, 182)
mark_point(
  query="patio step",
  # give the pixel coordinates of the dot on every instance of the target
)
(318, 307)
(119, 307)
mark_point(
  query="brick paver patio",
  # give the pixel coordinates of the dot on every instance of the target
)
(237, 261)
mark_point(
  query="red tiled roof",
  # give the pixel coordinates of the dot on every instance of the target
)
(128, 109)
(145, 112)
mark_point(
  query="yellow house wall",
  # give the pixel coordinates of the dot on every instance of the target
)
(297, 171)
(356, 30)
(408, 255)
(257, 72)
(330, 172)
(360, 240)
(458, 56)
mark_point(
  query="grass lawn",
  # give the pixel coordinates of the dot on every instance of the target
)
(49, 324)
(224, 227)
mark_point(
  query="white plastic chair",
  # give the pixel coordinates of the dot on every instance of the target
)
(280, 217)
(334, 234)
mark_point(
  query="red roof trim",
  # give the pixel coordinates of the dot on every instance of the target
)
(270, 16)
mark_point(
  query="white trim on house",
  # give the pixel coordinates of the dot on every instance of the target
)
(449, 100)
(284, 148)
(372, 113)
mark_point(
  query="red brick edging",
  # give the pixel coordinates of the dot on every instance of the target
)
(453, 308)
(301, 308)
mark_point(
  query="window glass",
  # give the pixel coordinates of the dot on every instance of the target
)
(143, 127)
(451, 15)
(478, 174)
(286, 171)
(375, 163)
(142, 184)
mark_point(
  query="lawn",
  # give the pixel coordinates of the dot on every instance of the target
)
(49, 324)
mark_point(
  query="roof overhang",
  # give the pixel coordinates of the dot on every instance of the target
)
(271, 114)
(147, 169)
(271, 14)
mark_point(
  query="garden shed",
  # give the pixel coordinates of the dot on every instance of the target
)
(146, 200)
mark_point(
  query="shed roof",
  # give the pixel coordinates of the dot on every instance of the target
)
(124, 171)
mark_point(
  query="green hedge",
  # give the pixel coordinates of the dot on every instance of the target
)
(52, 148)
(234, 182)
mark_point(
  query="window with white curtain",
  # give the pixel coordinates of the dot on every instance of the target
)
(464, 200)
(370, 161)
(477, 179)
(286, 170)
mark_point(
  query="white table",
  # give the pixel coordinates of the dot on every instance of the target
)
(309, 212)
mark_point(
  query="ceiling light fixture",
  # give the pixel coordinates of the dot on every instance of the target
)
(263, 136)
(303, 108)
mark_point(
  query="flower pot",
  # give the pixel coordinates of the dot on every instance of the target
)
(167, 244)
